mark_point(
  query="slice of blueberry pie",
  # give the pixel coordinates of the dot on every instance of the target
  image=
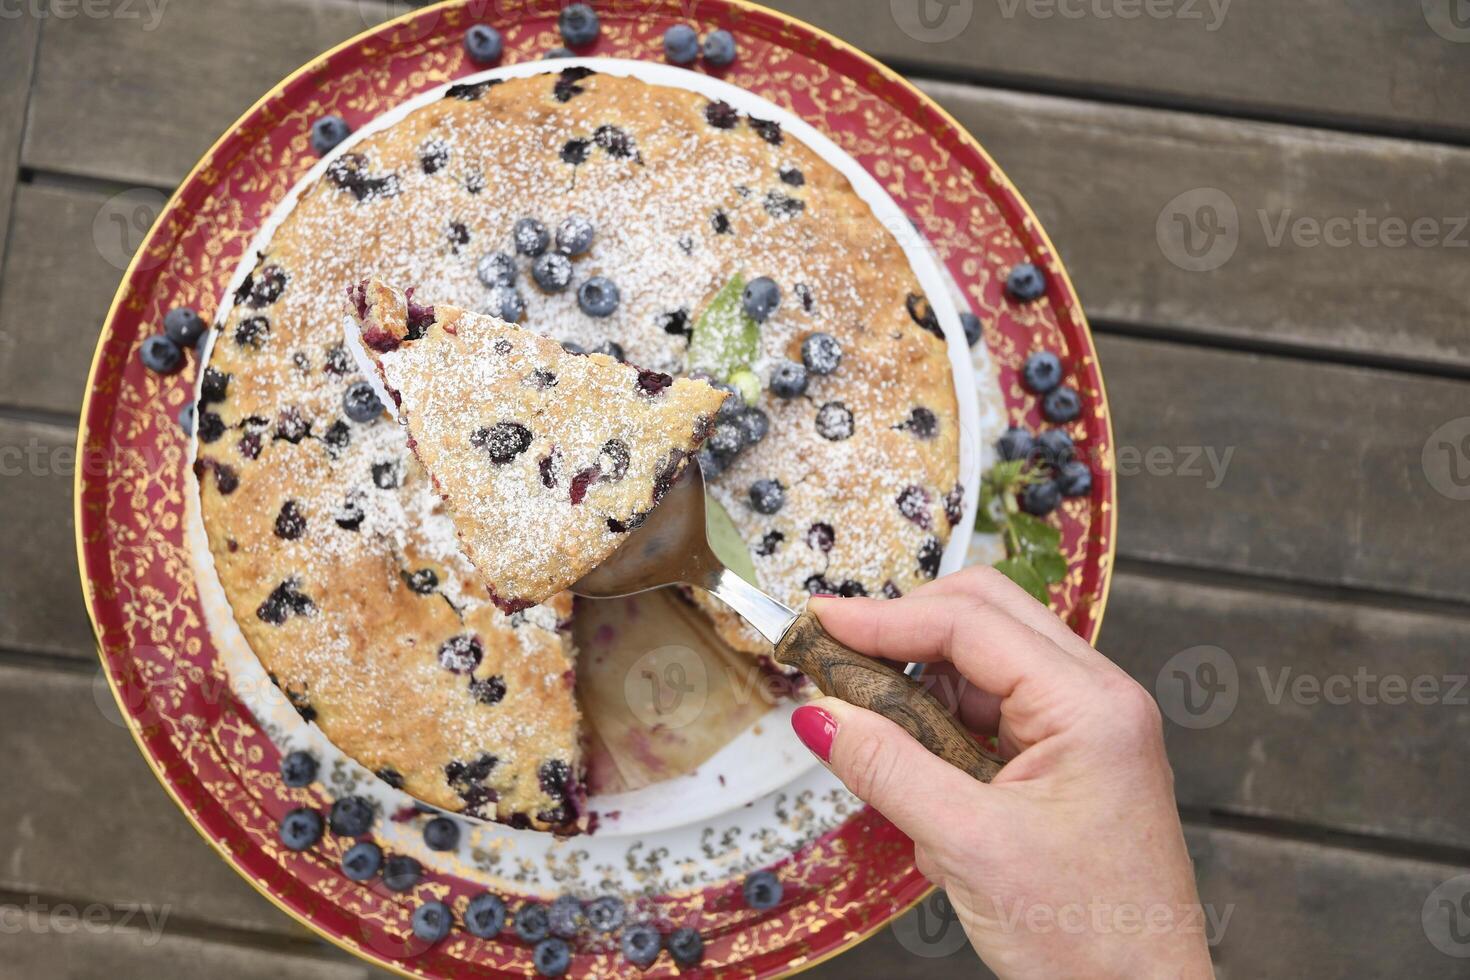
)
(545, 458)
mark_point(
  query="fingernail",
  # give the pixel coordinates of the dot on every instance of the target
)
(815, 727)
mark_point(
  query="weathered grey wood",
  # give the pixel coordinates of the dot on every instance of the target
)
(84, 953)
(1345, 61)
(17, 57)
(1100, 176)
(83, 816)
(53, 298)
(40, 593)
(1325, 482)
(1346, 757)
(186, 80)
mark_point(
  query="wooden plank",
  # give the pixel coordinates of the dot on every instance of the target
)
(40, 591)
(1344, 62)
(54, 297)
(1106, 182)
(1324, 481)
(17, 57)
(70, 764)
(115, 100)
(85, 951)
(1346, 716)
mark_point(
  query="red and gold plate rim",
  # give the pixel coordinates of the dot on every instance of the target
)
(210, 754)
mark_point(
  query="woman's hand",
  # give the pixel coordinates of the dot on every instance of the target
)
(1072, 862)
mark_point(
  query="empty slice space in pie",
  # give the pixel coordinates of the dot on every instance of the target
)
(546, 459)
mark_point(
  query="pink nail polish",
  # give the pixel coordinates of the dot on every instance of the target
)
(816, 728)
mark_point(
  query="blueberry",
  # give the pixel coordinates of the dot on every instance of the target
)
(504, 441)
(483, 44)
(709, 464)
(298, 768)
(971, 323)
(327, 132)
(821, 353)
(533, 923)
(727, 439)
(612, 349)
(641, 944)
(183, 326)
(432, 921)
(574, 235)
(1015, 443)
(572, 347)
(530, 236)
(505, 303)
(598, 296)
(719, 48)
(834, 422)
(762, 891)
(559, 53)
(1040, 499)
(578, 25)
(565, 916)
(362, 860)
(1061, 405)
(215, 386)
(496, 269)
(553, 957)
(211, 427)
(552, 271)
(351, 816)
(1074, 479)
(186, 418)
(686, 946)
(755, 424)
(360, 402)
(788, 380)
(1055, 447)
(1042, 372)
(489, 690)
(461, 654)
(760, 299)
(301, 828)
(605, 914)
(681, 44)
(1026, 282)
(401, 873)
(441, 834)
(819, 537)
(484, 916)
(732, 406)
(931, 554)
(161, 354)
(767, 496)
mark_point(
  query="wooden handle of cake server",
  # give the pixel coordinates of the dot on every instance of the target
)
(872, 684)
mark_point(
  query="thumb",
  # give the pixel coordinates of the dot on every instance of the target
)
(882, 765)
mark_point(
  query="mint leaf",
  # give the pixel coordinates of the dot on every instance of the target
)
(1020, 571)
(990, 515)
(1036, 535)
(725, 540)
(1050, 565)
(725, 338)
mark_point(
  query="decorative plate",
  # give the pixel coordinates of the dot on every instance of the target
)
(214, 739)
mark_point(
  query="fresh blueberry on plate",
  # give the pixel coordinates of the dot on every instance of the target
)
(1015, 443)
(351, 816)
(360, 402)
(971, 323)
(760, 299)
(552, 271)
(559, 53)
(160, 354)
(1056, 447)
(755, 423)
(186, 418)
(183, 326)
(612, 349)
(821, 353)
(301, 828)
(1075, 479)
(441, 834)
(401, 873)
(1026, 282)
(767, 496)
(1042, 372)
(505, 303)
(553, 957)
(1040, 499)
(719, 48)
(1061, 405)
(681, 44)
(327, 132)
(484, 916)
(496, 269)
(686, 946)
(298, 768)
(574, 235)
(362, 860)
(579, 25)
(598, 296)
(788, 380)
(530, 237)
(762, 890)
(605, 914)
(483, 44)
(533, 922)
(709, 464)
(565, 918)
(641, 944)
(431, 921)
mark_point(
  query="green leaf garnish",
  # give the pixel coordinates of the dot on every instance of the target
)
(1050, 565)
(725, 540)
(1036, 535)
(1034, 558)
(725, 338)
(1020, 571)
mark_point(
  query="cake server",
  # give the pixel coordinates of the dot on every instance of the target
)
(672, 548)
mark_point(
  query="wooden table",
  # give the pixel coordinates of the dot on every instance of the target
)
(1321, 365)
